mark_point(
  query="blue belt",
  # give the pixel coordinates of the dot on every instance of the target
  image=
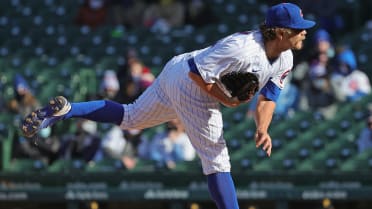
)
(192, 66)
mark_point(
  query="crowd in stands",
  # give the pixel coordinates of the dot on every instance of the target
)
(169, 147)
(326, 75)
(329, 75)
(86, 143)
(159, 16)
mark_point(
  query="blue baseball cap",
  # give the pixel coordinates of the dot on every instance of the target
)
(347, 57)
(287, 15)
(322, 35)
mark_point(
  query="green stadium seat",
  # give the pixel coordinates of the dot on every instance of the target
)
(20, 165)
(321, 161)
(188, 166)
(299, 143)
(13, 45)
(359, 162)
(245, 164)
(104, 165)
(248, 150)
(7, 134)
(144, 166)
(304, 153)
(274, 164)
(8, 93)
(107, 62)
(57, 166)
(72, 165)
(5, 6)
(234, 144)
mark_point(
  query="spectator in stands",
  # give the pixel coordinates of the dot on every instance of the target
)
(163, 15)
(171, 146)
(92, 13)
(327, 14)
(131, 80)
(109, 86)
(116, 143)
(349, 82)
(128, 13)
(122, 145)
(309, 60)
(288, 100)
(320, 94)
(252, 107)
(24, 100)
(365, 137)
(44, 148)
(323, 43)
(134, 77)
(83, 144)
(199, 13)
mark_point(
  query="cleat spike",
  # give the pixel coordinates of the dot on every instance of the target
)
(46, 116)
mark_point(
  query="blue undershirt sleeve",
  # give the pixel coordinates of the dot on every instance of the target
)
(271, 91)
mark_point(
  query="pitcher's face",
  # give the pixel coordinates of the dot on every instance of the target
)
(296, 38)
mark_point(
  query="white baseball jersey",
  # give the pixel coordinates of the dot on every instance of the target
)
(242, 52)
(174, 95)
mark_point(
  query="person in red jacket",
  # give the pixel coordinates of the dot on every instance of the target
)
(92, 13)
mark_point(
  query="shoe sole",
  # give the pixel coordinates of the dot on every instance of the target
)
(33, 122)
(59, 112)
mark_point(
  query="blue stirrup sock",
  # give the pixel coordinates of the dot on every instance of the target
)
(221, 188)
(104, 111)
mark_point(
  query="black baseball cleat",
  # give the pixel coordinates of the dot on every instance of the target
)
(46, 116)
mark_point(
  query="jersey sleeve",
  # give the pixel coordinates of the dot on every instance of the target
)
(280, 76)
(271, 90)
(218, 58)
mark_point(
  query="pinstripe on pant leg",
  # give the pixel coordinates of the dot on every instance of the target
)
(150, 109)
(202, 118)
(174, 94)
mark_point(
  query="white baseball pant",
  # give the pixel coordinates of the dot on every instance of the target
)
(174, 95)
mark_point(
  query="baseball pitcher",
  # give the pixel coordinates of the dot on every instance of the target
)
(192, 86)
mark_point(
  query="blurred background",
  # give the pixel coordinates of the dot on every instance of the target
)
(114, 49)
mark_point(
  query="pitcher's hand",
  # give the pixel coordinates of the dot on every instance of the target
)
(263, 138)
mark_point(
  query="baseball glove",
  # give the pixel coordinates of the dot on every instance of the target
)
(242, 85)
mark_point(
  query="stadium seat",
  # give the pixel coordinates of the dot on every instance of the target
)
(188, 166)
(13, 45)
(7, 134)
(20, 165)
(304, 153)
(41, 41)
(105, 165)
(248, 150)
(277, 143)
(234, 144)
(359, 162)
(144, 166)
(285, 164)
(8, 92)
(245, 164)
(57, 166)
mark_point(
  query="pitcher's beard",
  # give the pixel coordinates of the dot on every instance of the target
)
(298, 46)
